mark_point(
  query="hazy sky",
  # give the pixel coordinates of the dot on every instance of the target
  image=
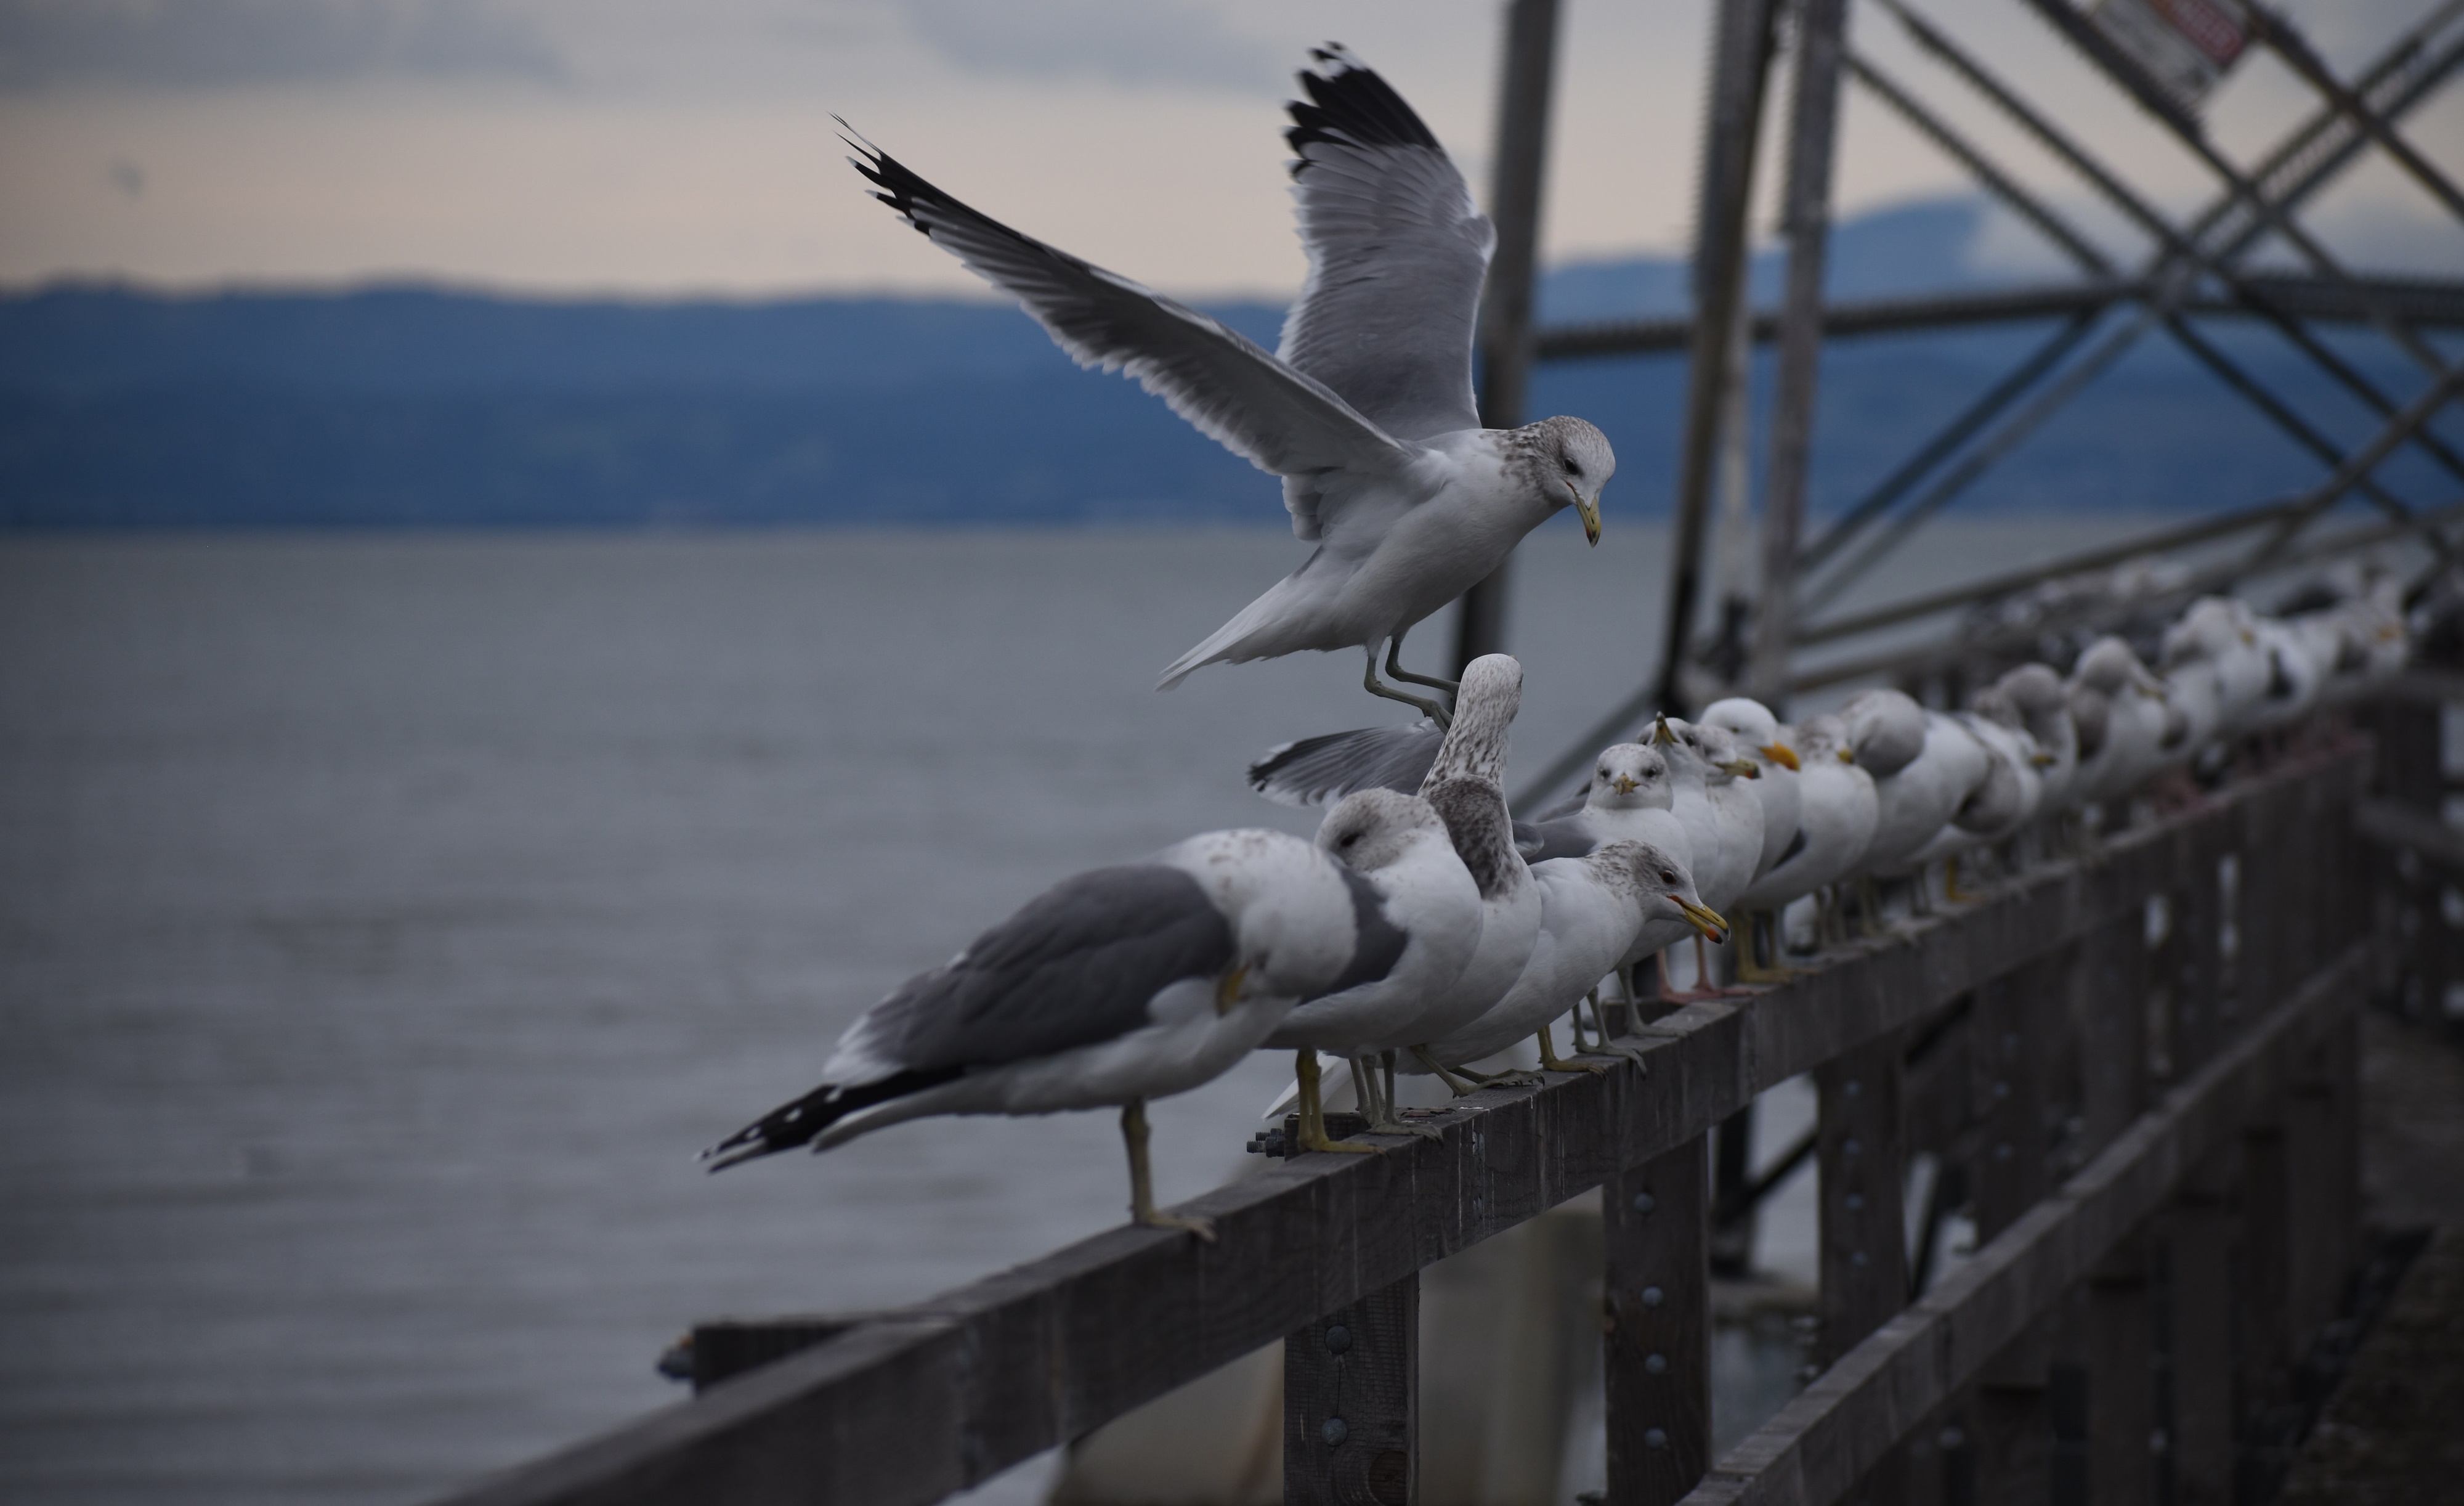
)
(657, 146)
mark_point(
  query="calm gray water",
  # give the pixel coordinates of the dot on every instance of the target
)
(385, 921)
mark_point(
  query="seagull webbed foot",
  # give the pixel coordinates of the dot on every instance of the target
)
(1551, 1061)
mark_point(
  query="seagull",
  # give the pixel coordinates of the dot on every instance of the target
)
(1112, 987)
(2036, 691)
(1758, 730)
(1400, 844)
(1838, 811)
(1917, 800)
(2129, 715)
(2215, 671)
(1724, 825)
(1366, 411)
(1631, 797)
(2003, 802)
(1591, 908)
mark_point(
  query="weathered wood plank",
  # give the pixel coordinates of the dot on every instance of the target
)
(1656, 1355)
(1825, 1440)
(1351, 1418)
(947, 1392)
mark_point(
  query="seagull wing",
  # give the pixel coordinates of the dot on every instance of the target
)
(1323, 770)
(1236, 393)
(1397, 255)
(1077, 966)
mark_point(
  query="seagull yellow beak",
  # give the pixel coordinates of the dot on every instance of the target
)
(1742, 769)
(1590, 508)
(2043, 760)
(1227, 989)
(1706, 919)
(1625, 785)
(1782, 754)
(1847, 756)
(1660, 733)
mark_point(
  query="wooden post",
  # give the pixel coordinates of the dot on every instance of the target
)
(2112, 978)
(1513, 273)
(2121, 1389)
(1658, 1348)
(1812, 125)
(2009, 1055)
(1865, 1239)
(1731, 129)
(1350, 1423)
(1732, 1231)
(2203, 1259)
(1864, 1265)
(2265, 1351)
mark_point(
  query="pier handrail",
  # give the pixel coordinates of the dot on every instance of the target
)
(910, 1406)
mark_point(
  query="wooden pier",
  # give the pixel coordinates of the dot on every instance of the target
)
(2145, 1059)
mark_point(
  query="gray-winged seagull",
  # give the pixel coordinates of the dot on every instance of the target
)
(1114, 987)
(1366, 411)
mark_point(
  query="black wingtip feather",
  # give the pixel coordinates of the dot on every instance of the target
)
(797, 1124)
(1350, 104)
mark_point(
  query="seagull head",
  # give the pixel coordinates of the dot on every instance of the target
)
(1572, 461)
(1631, 777)
(1370, 830)
(1668, 889)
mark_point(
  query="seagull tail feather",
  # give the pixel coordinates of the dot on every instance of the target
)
(1276, 623)
(797, 1124)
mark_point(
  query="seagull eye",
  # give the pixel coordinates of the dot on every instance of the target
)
(1574, 469)
(1667, 877)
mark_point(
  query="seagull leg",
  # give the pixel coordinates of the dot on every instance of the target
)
(1435, 710)
(1312, 1110)
(1458, 1083)
(1869, 891)
(1950, 889)
(1395, 668)
(1574, 1027)
(1551, 1061)
(1379, 1102)
(1748, 970)
(1606, 1047)
(1142, 1208)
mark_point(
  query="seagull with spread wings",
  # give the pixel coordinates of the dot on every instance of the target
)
(1365, 411)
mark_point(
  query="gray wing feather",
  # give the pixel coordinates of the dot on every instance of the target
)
(1252, 404)
(1396, 251)
(1075, 967)
(1321, 771)
(1566, 836)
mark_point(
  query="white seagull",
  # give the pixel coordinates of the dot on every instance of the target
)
(1592, 909)
(1112, 987)
(1401, 845)
(1366, 411)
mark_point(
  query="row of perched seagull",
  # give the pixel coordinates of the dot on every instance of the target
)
(1425, 930)
(1885, 790)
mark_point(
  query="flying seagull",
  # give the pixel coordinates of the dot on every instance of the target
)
(1112, 987)
(1366, 411)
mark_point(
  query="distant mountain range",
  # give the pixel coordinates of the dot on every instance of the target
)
(418, 407)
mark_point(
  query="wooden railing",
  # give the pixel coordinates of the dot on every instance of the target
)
(2145, 1056)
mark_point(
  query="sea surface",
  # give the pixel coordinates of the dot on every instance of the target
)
(387, 919)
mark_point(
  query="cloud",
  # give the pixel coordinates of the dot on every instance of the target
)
(204, 43)
(1131, 41)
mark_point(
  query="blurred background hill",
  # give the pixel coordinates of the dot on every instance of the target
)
(394, 406)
